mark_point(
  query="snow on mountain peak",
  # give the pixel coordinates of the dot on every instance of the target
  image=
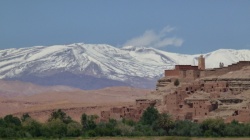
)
(102, 60)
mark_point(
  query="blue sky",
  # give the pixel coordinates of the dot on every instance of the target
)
(182, 26)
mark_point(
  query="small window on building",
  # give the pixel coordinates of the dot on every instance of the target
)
(237, 112)
(191, 106)
(180, 106)
(205, 113)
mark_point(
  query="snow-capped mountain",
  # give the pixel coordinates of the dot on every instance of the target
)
(90, 66)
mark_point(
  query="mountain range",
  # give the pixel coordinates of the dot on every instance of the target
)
(95, 66)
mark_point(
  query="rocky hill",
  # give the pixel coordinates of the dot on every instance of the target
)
(18, 88)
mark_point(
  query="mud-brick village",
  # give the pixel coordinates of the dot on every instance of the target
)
(200, 94)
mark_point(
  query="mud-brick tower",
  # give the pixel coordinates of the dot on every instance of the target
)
(201, 63)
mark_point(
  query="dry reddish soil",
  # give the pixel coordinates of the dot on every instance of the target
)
(18, 88)
(74, 103)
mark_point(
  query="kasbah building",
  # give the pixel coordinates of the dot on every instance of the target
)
(201, 93)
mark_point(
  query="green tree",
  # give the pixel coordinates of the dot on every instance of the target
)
(12, 121)
(246, 129)
(2, 132)
(74, 129)
(144, 130)
(149, 116)
(164, 121)
(106, 129)
(84, 121)
(9, 126)
(213, 127)
(236, 129)
(9, 132)
(186, 128)
(32, 127)
(59, 114)
(25, 116)
(55, 128)
(129, 122)
(2, 122)
(88, 122)
(126, 128)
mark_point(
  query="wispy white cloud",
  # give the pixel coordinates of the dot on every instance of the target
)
(151, 38)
